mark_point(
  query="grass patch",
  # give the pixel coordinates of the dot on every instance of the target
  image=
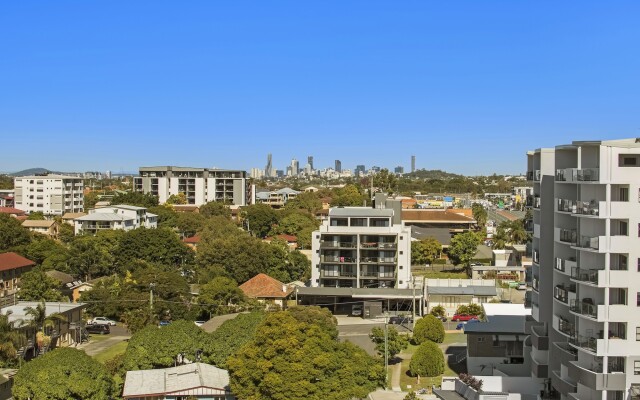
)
(111, 352)
(442, 275)
(95, 338)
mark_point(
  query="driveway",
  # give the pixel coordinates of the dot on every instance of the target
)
(92, 347)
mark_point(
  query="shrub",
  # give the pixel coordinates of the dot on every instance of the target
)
(438, 311)
(428, 360)
(428, 328)
(471, 381)
(472, 309)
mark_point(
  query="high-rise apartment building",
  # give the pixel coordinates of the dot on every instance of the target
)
(50, 194)
(295, 167)
(200, 185)
(413, 164)
(338, 166)
(585, 298)
(359, 247)
(268, 170)
(310, 162)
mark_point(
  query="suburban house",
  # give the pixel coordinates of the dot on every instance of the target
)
(6, 200)
(192, 242)
(65, 333)
(277, 198)
(189, 381)
(12, 212)
(441, 224)
(498, 344)
(267, 290)
(186, 208)
(493, 388)
(122, 217)
(68, 217)
(452, 293)
(291, 240)
(12, 266)
(44, 227)
(68, 286)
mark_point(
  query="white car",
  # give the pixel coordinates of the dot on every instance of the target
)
(102, 321)
(199, 323)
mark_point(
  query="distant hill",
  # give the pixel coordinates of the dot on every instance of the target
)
(433, 174)
(33, 171)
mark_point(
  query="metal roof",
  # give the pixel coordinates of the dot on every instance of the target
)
(462, 290)
(51, 307)
(102, 216)
(361, 293)
(360, 212)
(498, 324)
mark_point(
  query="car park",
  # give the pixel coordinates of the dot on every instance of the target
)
(100, 329)
(102, 321)
(356, 311)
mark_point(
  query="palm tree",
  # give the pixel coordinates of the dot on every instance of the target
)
(39, 318)
(10, 339)
(517, 233)
(500, 238)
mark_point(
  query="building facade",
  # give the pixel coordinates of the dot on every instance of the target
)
(49, 194)
(120, 217)
(359, 247)
(199, 185)
(585, 299)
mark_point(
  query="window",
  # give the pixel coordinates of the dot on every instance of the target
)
(624, 194)
(637, 333)
(636, 367)
(623, 228)
(638, 264)
(628, 161)
(400, 252)
(638, 299)
(481, 339)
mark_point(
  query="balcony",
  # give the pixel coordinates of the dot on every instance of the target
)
(589, 243)
(578, 175)
(563, 326)
(563, 293)
(568, 236)
(589, 276)
(387, 260)
(539, 337)
(563, 385)
(339, 260)
(536, 202)
(535, 283)
(587, 208)
(378, 245)
(565, 266)
(564, 352)
(584, 307)
(540, 370)
(337, 245)
(338, 274)
(377, 274)
(593, 377)
(588, 343)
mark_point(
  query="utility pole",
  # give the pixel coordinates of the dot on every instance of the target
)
(151, 297)
(413, 306)
(386, 349)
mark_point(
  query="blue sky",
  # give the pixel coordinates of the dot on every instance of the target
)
(466, 86)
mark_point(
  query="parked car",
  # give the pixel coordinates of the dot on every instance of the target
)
(461, 325)
(199, 323)
(356, 311)
(102, 321)
(442, 318)
(522, 286)
(164, 323)
(463, 317)
(101, 329)
(401, 319)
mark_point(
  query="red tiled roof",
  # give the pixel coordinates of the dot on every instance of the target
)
(192, 239)
(264, 286)
(434, 216)
(288, 238)
(11, 210)
(9, 261)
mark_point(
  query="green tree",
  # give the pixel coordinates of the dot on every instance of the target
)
(479, 214)
(36, 216)
(500, 238)
(154, 347)
(292, 359)
(189, 223)
(39, 319)
(215, 209)
(438, 311)
(349, 195)
(167, 217)
(135, 199)
(12, 233)
(411, 396)
(428, 360)
(307, 201)
(304, 237)
(261, 218)
(35, 285)
(295, 222)
(63, 374)
(231, 336)
(10, 341)
(66, 233)
(428, 328)
(425, 251)
(41, 248)
(463, 248)
(471, 309)
(90, 200)
(179, 198)
(90, 257)
(216, 296)
(395, 341)
(161, 246)
(385, 180)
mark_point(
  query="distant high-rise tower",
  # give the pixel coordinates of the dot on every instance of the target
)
(360, 170)
(295, 167)
(338, 167)
(268, 170)
(413, 163)
(399, 170)
(310, 161)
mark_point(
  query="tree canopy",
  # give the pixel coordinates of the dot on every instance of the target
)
(36, 285)
(231, 336)
(290, 358)
(135, 199)
(428, 360)
(428, 328)
(63, 374)
(463, 248)
(395, 341)
(425, 251)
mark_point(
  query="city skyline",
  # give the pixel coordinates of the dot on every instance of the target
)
(467, 87)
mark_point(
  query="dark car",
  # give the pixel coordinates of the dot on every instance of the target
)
(99, 329)
(442, 318)
(400, 320)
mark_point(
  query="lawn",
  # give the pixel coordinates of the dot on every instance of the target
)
(405, 379)
(111, 352)
(442, 274)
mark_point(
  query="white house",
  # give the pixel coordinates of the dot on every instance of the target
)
(123, 217)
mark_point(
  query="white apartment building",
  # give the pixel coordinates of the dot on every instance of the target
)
(360, 247)
(50, 194)
(585, 326)
(122, 217)
(200, 185)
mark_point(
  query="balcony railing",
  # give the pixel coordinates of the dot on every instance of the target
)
(578, 175)
(588, 242)
(579, 207)
(375, 274)
(566, 327)
(585, 342)
(377, 245)
(584, 307)
(568, 236)
(339, 259)
(338, 274)
(378, 259)
(585, 275)
(346, 245)
(561, 292)
(536, 202)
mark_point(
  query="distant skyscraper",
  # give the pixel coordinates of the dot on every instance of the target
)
(310, 161)
(413, 163)
(279, 173)
(268, 171)
(375, 169)
(360, 170)
(399, 170)
(295, 167)
(338, 167)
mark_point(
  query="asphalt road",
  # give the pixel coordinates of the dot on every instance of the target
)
(359, 334)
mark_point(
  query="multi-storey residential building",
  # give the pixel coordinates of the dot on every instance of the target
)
(49, 194)
(123, 217)
(585, 330)
(359, 247)
(200, 185)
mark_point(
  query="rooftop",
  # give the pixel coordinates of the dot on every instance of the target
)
(11, 210)
(51, 307)
(264, 286)
(360, 212)
(69, 215)
(101, 216)
(363, 293)
(434, 216)
(462, 290)
(50, 176)
(175, 380)
(30, 223)
(9, 261)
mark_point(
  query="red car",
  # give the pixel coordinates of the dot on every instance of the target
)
(463, 317)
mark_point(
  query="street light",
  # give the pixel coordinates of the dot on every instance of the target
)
(386, 350)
